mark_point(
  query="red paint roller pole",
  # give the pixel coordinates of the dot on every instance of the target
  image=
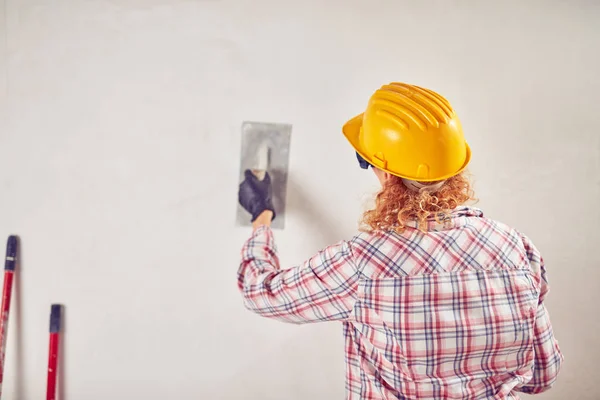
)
(53, 351)
(9, 271)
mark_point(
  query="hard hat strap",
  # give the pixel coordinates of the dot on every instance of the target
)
(419, 187)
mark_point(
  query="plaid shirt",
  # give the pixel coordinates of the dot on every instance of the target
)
(454, 313)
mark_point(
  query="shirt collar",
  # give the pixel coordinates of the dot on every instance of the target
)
(457, 218)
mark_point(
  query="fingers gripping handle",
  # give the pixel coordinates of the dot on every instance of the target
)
(256, 196)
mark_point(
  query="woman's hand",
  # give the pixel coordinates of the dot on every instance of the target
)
(255, 196)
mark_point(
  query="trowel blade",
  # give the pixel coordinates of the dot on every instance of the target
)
(273, 140)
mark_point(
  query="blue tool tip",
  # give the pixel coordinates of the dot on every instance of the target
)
(55, 318)
(11, 253)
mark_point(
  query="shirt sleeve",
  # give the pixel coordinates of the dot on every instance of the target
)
(548, 357)
(322, 288)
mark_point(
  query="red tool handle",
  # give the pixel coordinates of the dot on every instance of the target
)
(53, 351)
(9, 271)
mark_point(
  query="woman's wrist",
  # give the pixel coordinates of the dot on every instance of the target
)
(264, 218)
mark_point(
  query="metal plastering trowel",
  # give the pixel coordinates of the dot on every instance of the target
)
(266, 148)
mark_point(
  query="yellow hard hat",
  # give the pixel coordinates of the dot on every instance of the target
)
(410, 132)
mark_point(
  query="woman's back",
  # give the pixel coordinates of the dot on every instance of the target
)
(454, 312)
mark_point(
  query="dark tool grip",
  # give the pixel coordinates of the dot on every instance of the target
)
(55, 318)
(11, 253)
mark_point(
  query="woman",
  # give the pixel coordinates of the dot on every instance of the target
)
(436, 300)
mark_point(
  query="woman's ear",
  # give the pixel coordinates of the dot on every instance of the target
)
(382, 175)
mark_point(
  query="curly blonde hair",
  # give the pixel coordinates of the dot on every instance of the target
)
(396, 204)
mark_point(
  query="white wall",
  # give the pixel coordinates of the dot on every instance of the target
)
(120, 124)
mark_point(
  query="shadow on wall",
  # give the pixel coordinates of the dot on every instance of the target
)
(314, 209)
(279, 180)
(61, 357)
(20, 392)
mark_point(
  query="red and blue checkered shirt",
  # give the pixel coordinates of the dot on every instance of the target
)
(456, 312)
